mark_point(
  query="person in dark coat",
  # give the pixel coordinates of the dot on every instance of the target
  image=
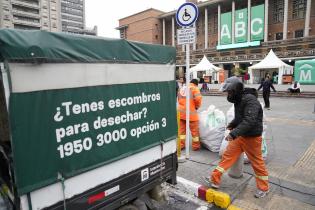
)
(266, 85)
(245, 135)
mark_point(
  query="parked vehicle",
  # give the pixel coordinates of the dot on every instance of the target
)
(86, 122)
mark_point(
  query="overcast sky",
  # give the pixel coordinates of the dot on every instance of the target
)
(106, 13)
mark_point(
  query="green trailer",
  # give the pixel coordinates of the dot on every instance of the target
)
(88, 122)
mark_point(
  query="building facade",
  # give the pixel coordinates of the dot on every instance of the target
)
(73, 17)
(144, 26)
(30, 14)
(236, 34)
(50, 15)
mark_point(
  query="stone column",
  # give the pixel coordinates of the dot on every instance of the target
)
(233, 22)
(285, 20)
(219, 24)
(173, 32)
(307, 18)
(163, 31)
(248, 20)
(206, 28)
(266, 20)
(195, 44)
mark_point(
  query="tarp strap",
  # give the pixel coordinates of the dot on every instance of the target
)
(7, 68)
(29, 201)
(62, 180)
(161, 162)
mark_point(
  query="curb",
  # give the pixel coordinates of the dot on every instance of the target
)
(220, 199)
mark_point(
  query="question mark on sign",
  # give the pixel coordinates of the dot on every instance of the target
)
(145, 110)
(58, 116)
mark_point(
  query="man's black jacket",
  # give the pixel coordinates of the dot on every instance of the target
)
(248, 115)
(266, 85)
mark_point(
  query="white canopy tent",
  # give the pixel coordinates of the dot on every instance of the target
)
(271, 61)
(206, 66)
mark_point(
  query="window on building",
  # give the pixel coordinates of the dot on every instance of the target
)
(299, 33)
(123, 33)
(279, 36)
(17, 26)
(6, 17)
(299, 9)
(278, 11)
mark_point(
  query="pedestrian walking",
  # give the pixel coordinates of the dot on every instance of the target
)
(266, 85)
(195, 103)
(245, 135)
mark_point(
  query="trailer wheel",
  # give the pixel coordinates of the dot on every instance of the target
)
(128, 207)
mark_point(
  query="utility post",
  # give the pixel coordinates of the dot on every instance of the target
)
(186, 16)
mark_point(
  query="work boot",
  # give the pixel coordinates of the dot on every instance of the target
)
(195, 144)
(261, 194)
(182, 145)
(213, 185)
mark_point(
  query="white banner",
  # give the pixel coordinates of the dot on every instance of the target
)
(186, 36)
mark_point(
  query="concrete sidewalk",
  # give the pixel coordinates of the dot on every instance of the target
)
(291, 144)
(305, 88)
(293, 188)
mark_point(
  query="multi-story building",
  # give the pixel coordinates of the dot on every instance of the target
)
(144, 26)
(73, 17)
(30, 14)
(51, 15)
(237, 34)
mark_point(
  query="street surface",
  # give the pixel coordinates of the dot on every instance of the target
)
(291, 148)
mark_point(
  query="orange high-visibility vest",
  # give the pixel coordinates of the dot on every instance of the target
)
(195, 102)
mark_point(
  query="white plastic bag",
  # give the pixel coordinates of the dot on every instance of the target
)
(211, 128)
(230, 114)
(264, 149)
(224, 143)
(229, 118)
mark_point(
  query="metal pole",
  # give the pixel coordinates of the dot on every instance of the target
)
(236, 171)
(187, 101)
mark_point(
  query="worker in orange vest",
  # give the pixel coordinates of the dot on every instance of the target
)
(195, 103)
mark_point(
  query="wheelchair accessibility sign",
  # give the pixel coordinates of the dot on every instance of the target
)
(187, 14)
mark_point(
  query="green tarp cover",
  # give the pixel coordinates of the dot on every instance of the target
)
(62, 47)
(51, 138)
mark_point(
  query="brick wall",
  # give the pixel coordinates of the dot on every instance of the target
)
(144, 26)
(200, 30)
(312, 20)
(168, 31)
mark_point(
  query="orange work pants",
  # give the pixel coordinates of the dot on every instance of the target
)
(252, 147)
(194, 129)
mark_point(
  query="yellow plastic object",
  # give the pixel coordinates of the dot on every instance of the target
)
(221, 199)
(232, 207)
(178, 140)
(210, 195)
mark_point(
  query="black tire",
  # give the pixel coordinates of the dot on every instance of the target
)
(128, 207)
